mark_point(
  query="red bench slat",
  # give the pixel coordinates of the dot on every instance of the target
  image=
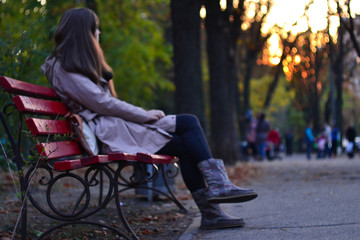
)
(118, 156)
(154, 158)
(68, 165)
(59, 149)
(40, 106)
(24, 88)
(46, 126)
(94, 160)
(143, 157)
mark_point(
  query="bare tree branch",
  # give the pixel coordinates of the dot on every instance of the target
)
(349, 26)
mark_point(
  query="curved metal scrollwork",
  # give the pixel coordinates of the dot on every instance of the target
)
(125, 223)
(76, 210)
(172, 171)
(3, 116)
(141, 174)
(144, 173)
(44, 180)
(93, 180)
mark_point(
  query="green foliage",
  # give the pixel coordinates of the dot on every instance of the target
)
(6, 152)
(296, 121)
(22, 48)
(281, 99)
(6, 163)
(133, 41)
(351, 112)
(132, 38)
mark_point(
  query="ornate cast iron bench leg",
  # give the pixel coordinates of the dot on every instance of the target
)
(168, 173)
(81, 208)
(118, 176)
(140, 182)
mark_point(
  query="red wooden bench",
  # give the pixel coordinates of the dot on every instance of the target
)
(60, 157)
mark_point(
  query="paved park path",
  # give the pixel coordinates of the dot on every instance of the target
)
(298, 199)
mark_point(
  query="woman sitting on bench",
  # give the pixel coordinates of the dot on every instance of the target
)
(80, 76)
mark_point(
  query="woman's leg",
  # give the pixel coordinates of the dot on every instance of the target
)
(193, 137)
(308, 149)
(189, 170)
(220, 189)
(262, 150)
(212, 215)
(190, 145)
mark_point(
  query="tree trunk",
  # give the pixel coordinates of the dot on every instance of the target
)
(331, 106)
(332, 103)
(223, 132)
(249, 66)
(189, 97)
(316, 103)
(338, 70)
(274, 83)
(250, 63)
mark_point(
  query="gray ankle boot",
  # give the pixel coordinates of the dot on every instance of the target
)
(221, 190)
(212, 217)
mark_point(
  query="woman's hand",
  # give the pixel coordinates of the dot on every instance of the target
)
(154, 115)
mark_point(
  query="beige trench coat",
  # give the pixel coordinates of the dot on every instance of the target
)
(118, 125)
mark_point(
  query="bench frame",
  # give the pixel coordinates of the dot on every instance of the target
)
(29, 100)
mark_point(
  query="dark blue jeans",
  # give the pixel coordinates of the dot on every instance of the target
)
(190, 146)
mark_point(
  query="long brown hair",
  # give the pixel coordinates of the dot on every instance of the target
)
(76, 44)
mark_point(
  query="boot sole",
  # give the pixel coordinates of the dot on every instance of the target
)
(233, 199)
(212, 227)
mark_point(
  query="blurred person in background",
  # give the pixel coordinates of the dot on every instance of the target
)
(289, 136)
(350, 136)
(334, 140)
(262, 129)
(327, 134)
(309, 136)
(251, 134)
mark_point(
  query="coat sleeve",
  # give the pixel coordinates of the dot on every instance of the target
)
(83, 91)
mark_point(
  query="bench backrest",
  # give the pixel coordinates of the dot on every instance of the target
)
(44, 114)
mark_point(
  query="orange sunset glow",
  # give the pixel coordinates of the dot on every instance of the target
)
(291, 16)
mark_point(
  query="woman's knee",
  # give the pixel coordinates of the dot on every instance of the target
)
(187, 120)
